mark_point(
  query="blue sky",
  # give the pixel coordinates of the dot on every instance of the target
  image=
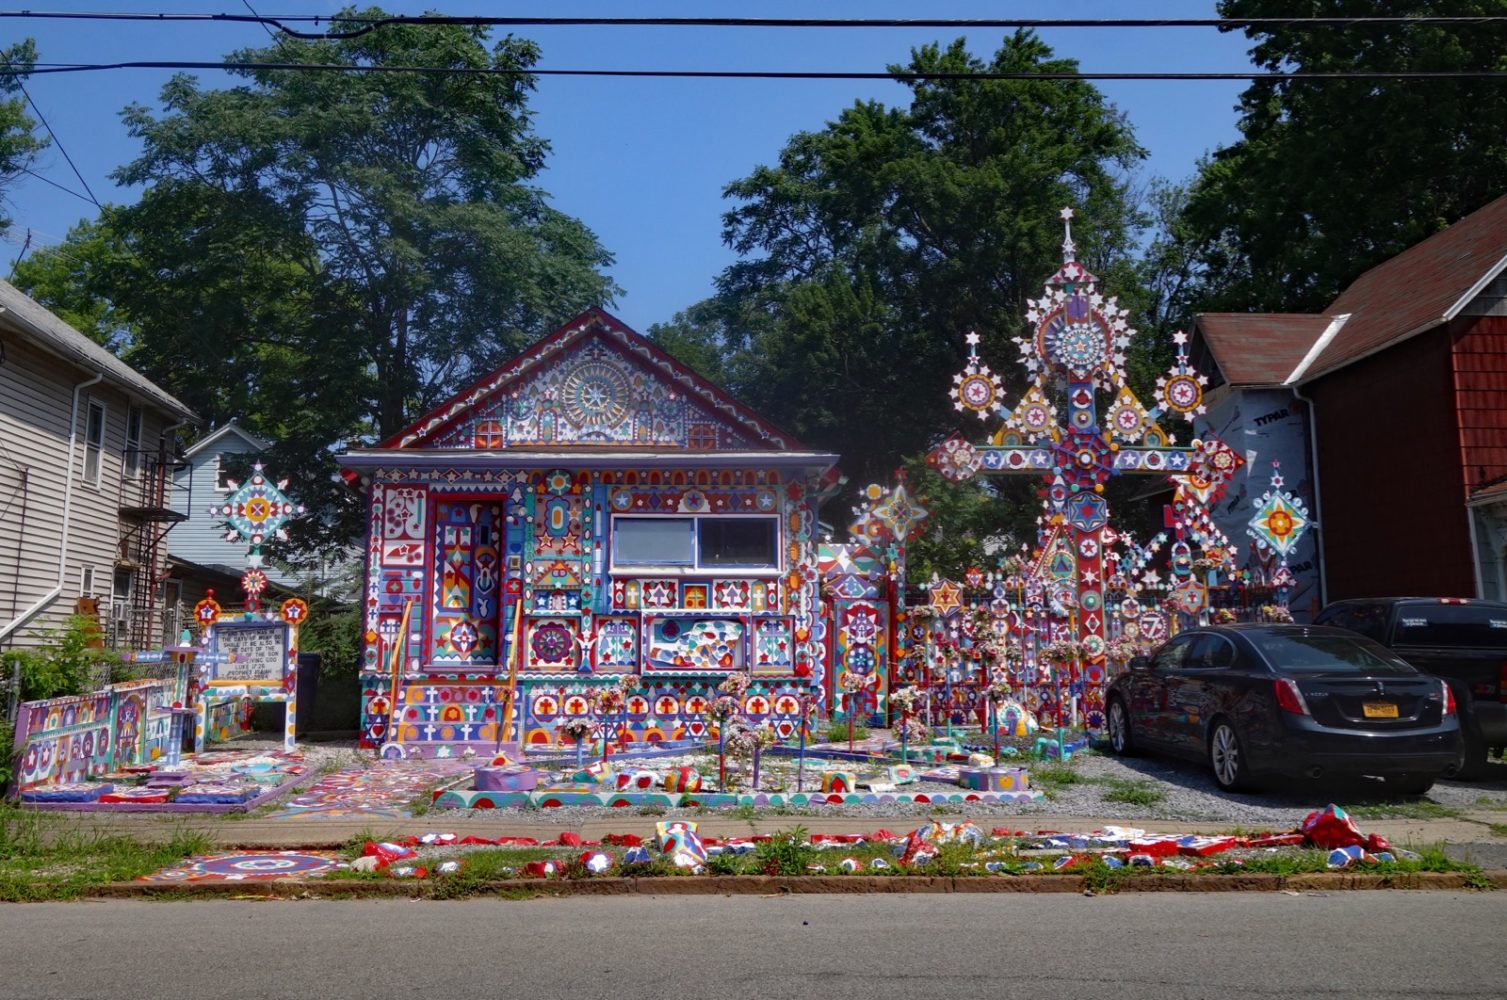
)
(643, 162)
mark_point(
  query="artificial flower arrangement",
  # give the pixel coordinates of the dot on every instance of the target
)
(1062, 651)
(905, 699)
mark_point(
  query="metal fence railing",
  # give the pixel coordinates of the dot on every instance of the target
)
(10, 692)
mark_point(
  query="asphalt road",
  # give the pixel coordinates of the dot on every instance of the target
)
(1373, 945)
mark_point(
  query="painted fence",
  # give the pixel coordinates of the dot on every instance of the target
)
(63, 740)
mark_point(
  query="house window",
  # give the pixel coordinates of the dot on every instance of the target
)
(709, 543)
(736, 541)
(133, 461)
(701, 437)
(222, 475)
(653, 541)
(489, 434)
(94, 442)
(86, 582)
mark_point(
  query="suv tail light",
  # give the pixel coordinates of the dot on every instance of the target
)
(1502, 682)
(1289, 698)
(1449, 697)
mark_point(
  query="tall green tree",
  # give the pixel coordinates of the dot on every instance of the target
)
(19, 143)
(326, 255)
(1332, 177)
(871, 247)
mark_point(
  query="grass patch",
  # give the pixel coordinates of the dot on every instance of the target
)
(42, 858)
(1137, 793)
(785, 853)
(1056, 776)
(837, 732)
(1498, 830)
(1403, 809)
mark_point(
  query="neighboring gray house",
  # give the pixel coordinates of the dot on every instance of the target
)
(86, 484)
(203, 479)
(199, 556)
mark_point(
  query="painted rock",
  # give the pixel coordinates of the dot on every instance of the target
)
(636, 780)
(839, 781)
(683, 779)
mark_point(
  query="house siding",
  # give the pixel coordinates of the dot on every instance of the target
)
(1480, 371)
(1263, 425)
(36, 396)
(1391, 474)
(201, 538)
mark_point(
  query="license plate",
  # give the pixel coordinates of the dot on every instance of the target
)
(1379, 710)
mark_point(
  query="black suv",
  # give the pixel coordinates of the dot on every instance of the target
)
(1463, 641)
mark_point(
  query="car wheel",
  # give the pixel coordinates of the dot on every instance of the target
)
(1227, 757)
(1409, 784)
(1473, 760)
(1117, 723)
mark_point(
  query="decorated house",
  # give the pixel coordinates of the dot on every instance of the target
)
(591, 510)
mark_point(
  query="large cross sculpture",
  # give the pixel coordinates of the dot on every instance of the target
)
(1077, 351)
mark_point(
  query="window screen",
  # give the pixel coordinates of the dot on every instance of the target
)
(662, 541)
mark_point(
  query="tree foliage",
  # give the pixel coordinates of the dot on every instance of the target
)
(1332, 177)
(19, 143)
(869, 248)
(325, 256)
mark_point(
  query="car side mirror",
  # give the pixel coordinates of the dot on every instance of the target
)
(1139, 663)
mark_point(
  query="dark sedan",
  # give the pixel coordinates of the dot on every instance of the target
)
(1256, 700)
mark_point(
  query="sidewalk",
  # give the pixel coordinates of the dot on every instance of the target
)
(264, 832)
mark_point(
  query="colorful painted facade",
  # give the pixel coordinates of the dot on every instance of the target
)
(592, 509)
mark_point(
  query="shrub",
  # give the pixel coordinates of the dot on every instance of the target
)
(68, 663)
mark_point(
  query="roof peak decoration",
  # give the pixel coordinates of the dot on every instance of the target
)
(595, 383)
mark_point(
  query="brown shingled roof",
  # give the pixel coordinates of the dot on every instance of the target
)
(1420, 288)
(1258, 348)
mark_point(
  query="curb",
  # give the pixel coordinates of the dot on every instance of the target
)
(765, 885)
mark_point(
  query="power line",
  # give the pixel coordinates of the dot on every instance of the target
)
(41, 69)
(19, 76)
(366, 25)
(60, 187)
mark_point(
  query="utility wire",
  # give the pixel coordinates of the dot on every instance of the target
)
(60, 187)
(41, 69)
(19, 76)
(365, 25)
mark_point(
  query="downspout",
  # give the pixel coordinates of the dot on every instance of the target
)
(68, 479)
(1313, 443)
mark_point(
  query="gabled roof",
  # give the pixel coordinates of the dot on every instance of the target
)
(1425, 286)
(1422, 287)
(227, 430)
(1258, 348)
(593, 322)
(24, 315)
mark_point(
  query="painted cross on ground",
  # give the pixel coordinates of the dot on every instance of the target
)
(1076, 353)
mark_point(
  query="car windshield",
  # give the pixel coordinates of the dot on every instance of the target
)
(1295, 653)
(1449, 625)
